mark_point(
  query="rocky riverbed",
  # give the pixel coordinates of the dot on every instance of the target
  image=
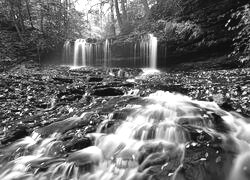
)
(74, 101)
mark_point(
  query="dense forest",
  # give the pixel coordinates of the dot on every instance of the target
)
(216, 28)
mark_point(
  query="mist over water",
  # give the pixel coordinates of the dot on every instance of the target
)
(166, 136)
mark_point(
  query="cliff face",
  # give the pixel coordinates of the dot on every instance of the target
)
(213, 39)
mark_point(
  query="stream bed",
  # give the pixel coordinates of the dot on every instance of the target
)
(59, 122)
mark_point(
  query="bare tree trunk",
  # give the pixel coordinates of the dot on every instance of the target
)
(66, 20)
(112, 17)
(100, 14)
(13, 16)
(29, 14)
(20, 15)
(124, 11)
(146, 8)
(118, 15)
(41, 19)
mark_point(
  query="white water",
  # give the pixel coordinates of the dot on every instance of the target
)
(153, 51)
(91, 53)
(100, 54)
(66, 52)
(148, 51)
(107, 53)
(79, 46)
(159, 121)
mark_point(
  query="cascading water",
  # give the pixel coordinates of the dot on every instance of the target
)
(135, 54)
(86, 54)
(165, 137)
(67, 52)
(153, 51)
(143, 53)
(79, 47)
(148, 51)
(107, 53)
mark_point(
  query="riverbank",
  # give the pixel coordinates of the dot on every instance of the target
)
(33, 96)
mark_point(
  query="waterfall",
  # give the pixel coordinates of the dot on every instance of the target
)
(88, 54)
(148, 51)
(66, 52)
(107, 53)
(142, 54)
(84, 52)
(79, 46)
(153, 51)
(135, 54)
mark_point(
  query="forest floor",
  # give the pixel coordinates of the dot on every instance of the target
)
(34, 96)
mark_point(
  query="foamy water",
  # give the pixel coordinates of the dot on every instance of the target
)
(158, 140)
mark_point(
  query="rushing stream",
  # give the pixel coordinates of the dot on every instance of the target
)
(164, 136)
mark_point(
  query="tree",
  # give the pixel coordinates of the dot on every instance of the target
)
(118, 14)
(112, 17)
(124, 11)
(29, 14)
(146, 8)
(14, 18)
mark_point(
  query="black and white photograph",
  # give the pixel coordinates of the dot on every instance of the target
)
(124, 90)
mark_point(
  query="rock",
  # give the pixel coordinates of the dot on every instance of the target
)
(125, 158)
(121, 114)
(108, 92)
(87, 157)
(15, 134)
(95, 79)
(109, 126)
(43, 105)
(62, 126)
(63, 80)
(89, 121)
(71, 94)
(78, 143)
(115, 84)
(207, 156)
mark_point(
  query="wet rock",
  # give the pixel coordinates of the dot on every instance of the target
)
(43, 105)
(148, 149)
(88, 121)
(95, 79)
(62, 126)
(219, 124)
(15, 134)
(78, 143)
(121, 114)
(161, 165)
(115, 84)
(125, 158)
(71, 94)
(141, 176)
(207, 156)
(171, 88)
(108, 92)
(63, 80)
(109, 126)
(159, 159)
(87, 157)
